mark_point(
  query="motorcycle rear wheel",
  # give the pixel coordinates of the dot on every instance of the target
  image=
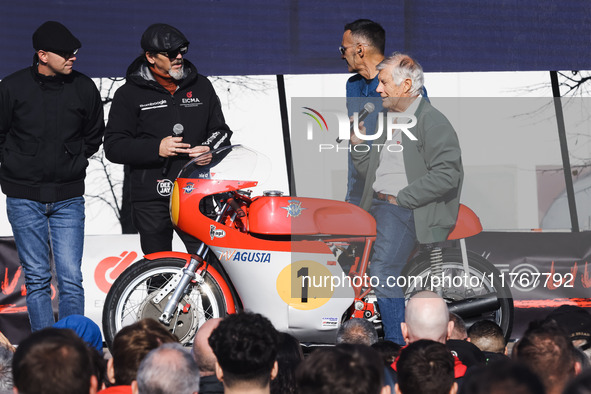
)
(480, 268)
(130, 299)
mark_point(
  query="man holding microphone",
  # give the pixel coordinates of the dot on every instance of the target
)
(165, 114)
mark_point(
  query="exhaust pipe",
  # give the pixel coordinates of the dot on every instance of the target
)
(475, 306)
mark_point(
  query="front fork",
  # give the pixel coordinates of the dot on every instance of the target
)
(180, 285)
(180, 282)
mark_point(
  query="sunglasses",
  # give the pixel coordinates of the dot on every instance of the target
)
(66, 55)
(171, 55)
(343, 49)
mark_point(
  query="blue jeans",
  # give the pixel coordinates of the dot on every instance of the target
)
(395, 241)
(37, 228)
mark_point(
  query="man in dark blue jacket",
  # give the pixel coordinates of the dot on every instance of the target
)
(163, 94)
(362, 48)
(51, 122)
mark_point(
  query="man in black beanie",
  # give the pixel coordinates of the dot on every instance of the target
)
(163, 94)
(51, 122)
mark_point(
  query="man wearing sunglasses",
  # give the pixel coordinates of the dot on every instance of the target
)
(51, 122)
(362, 48)
(164, 115)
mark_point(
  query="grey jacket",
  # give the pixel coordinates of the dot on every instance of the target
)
(434, 172)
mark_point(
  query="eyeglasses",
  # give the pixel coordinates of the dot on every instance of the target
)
(343, 49)
(66, 55)
(171, 55)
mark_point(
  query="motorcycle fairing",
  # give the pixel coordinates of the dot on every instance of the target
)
(185, 207)
(270, 285)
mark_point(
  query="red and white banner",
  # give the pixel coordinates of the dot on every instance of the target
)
(105, 257)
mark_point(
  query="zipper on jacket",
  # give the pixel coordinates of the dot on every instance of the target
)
(177, 114)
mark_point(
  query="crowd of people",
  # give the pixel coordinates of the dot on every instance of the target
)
(244, 353)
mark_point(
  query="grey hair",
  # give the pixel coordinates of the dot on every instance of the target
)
(405, 67)
(6, 383)
(357, 331)
(168, 369)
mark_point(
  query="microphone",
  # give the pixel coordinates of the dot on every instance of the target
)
(177, 131)
(368, 108)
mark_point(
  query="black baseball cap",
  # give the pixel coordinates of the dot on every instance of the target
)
(575, 320)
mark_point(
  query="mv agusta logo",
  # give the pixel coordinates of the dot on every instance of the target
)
(189, 188)
(294, 208)
(245, 256)
(216, 232)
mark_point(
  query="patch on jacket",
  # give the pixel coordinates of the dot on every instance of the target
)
(164, 187)
(190, 101)
(154, 105)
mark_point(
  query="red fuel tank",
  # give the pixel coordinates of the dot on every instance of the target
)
(308, 216)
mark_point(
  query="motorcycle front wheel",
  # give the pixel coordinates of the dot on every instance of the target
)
(483, 279)
(131, 298)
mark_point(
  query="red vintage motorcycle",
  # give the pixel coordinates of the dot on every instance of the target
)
(302, 262)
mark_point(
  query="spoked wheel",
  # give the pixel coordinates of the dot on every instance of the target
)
(134, 294)
(488, 299)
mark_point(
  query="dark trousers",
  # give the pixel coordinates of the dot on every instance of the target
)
(152, 220)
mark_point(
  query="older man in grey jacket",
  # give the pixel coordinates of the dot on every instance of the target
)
(413, 180)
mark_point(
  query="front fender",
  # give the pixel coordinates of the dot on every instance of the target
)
(227, 293)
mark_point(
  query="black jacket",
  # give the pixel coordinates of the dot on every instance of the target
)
(49, 127)
(143, 113)
(210, 385)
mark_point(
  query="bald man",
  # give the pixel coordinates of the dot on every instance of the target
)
(426, 317)
(206, 360)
